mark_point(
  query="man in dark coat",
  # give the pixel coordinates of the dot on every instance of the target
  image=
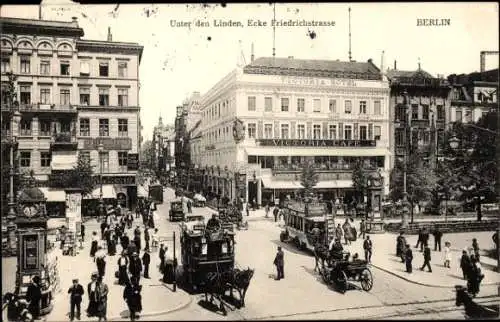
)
(427, 259)
(161, 254)
(465, 264)
(103, 228)
(34, 297)
(400, 246)
(146, 260)
(135, 266)
(137, 238)
(132, 295)
(76, 293)
(146, 238)
(275, 213)
(425, 239)
(408, 258)
(124, 241)
(279, 261)
(367, 246)
(438, 234)
(420, 238)
(123, 262)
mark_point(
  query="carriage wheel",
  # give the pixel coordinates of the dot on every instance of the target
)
(282, 237)
(366, 279)
(341, 281)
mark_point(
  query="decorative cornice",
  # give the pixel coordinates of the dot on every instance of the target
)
(110, 47)
(264, 70)
(109, 108)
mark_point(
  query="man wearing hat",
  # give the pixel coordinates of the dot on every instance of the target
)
(76, 293)
(34, 296)
(279, 261)
(146, 260)
(135, 266)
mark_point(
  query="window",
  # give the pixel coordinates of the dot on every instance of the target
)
(25, 127)
(122, 69)
(85, 96)
(347, 107)
(285, 132)
(104, 162)
(377, 110)
(122, 159)
(84, 68)
(363, 132)
(122, 127)
(458, 116)
(362, 107)
(332, 132)
(45, 67)
(45, 95)
(316, 131)
(401, 113)
(45, 159)
(440, 112)
(252, 130)
(251, 103)
(268, 104)
(25, 64)
(284, 104)
(103, 127)
(25, 159)
(268, 131)
(5, 64)
(103, 97)
(348, 132)
(316, 105)
(426, 136)
(400, 137)
(65, 96)
(414, 111)
(332, 106)
(301, 131)
(44, 128)
(104, 69)
(84, 127)
(301, 105)
(25, 92)
(425, 111)
(468, 116)
(376, 132)
(122, 97)
(65, 68)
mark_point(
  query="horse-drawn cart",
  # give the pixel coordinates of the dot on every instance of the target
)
(338, 272)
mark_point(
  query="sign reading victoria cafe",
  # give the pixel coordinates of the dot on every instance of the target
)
(317, 143)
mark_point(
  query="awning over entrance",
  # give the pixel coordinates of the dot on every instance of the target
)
(280, 184)
(63, 161)
(54, 195)
(304, 151)
(108, 192)
(331, 184)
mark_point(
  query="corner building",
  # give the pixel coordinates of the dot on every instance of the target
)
(292, 111)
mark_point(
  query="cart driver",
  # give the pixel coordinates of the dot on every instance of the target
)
(213, 223)
(315, 233)
(336, 249)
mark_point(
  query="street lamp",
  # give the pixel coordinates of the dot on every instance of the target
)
(11, 216)
(407, 138)
(100, 148)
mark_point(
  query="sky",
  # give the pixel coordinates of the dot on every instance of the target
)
(180, 60)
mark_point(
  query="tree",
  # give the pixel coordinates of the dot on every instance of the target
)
(360, 178)
(147, 163)
(81, 176)
(308, 178)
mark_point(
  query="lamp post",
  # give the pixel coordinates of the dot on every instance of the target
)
(11, 216)
(100, 148)
(407, 138)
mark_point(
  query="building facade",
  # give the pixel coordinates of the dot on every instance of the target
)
(261, 122)
(74, 95)
(164, 146)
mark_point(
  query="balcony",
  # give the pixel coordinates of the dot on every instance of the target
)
(7, 139)
(48, 108)
(64, 141)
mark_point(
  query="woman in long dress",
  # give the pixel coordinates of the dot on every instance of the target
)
(92, 291)
(93, 247)
(102, 306)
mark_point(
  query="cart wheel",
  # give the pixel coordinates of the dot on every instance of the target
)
(341, 281)
(366, 279)
(282, 237)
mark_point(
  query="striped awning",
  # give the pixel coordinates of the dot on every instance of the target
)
(108, 192)
(54, 195)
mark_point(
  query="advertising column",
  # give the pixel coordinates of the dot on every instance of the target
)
(74, 211)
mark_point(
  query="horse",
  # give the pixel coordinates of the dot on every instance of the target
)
(216, 284)
(474, 310)
(241, 281)
(17, 308)
(322, 254)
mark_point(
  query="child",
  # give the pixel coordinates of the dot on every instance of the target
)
(447, 254)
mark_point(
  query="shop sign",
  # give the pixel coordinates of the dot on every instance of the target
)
(317, 143)
(108, 143)
(132, 161)
(124, 180)
(30, 252)
(293, 80)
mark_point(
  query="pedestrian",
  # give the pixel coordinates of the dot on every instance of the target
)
(137, 238)
(275, 213)
(189, 206)
(135, 266)
(93, 247)
(154, 238)
(122, 269)
(138, 209)
(437, 239)
(315, 234)
(76, 292)
(427, 259)
(112, 243)
(100, 260)
(267, 209)
(447, 254)
(368, 246)
(338, 232)
(146, 238)
(161, 254)
(82, 232)
(420, 238)
(425, 239)
(408, 258)
(475, 247)
(133, 298)
(118, 210)
(104, 225)
(124, 241)
(34, 297)
(102, 304)
(476, 275)
(465, 264)
(247, 209)
(279, 261)
(92, 292)
(362, 227)
(146, 260)
(495, 239)
(400, 246)
(347, 231)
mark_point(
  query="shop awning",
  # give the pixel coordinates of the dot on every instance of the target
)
(142, 192)
(302, 151)
(63, 161)
(54, 195)
(280, 184)
(329, 184)
(108, 192)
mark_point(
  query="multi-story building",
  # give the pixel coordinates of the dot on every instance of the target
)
(422, 100)
(473, 95)
(163, 143)
(262, 121)
(74, 96)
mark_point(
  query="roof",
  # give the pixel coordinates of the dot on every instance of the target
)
(466, 79)
(313, 67)
(40, 27)
(394, 73)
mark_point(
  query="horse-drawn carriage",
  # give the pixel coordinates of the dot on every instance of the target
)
(199, 200)
(338, 271)
(232, 215)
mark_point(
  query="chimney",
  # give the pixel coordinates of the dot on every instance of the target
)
(74, 19)
(395, 65)
(252, 56)
(110, 36)
(370, 61)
